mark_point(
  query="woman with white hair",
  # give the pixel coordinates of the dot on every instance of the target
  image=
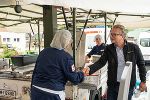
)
(96, 50)
(54, 67)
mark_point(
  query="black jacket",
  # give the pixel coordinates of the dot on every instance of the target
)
(131, 53)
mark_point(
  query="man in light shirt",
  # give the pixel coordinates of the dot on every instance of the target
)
(116, 54)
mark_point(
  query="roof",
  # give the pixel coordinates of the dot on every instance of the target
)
(126, 12)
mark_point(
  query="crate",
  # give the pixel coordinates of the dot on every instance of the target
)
(22, 60)
(95, 58)
(92, 79)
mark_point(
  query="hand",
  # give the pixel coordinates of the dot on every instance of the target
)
(143, 87)
(87, 59)
(86, 71)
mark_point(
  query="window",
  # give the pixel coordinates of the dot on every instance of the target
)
(15, 39)
(8, 39)
(145, 42)
(4, 39)
(18, 39)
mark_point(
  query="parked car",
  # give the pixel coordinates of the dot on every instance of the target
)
(144, 44)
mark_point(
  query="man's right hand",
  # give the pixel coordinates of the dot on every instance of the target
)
(86, 71)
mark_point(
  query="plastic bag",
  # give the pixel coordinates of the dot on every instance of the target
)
(138, 95)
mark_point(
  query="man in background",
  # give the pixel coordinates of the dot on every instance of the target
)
(98, 49)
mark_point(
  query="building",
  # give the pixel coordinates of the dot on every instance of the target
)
(14, 40)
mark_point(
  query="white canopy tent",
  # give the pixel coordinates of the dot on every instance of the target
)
(129, 6)
(131, 13)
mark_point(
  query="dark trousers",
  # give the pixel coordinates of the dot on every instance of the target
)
(112, 92)
(37, 94)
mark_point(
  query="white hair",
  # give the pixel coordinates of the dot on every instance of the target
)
(61, 39)
(97, 37)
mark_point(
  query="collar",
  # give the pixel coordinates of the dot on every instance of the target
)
(125, 43)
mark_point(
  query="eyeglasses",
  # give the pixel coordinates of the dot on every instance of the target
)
(115, 34)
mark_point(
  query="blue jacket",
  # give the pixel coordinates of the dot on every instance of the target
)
(54, 68)
(97, 50)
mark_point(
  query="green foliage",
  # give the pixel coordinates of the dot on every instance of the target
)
(7, 53)
(30, 52)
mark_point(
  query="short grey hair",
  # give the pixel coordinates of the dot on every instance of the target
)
(61, 39)
(97, 36)
(122, 28)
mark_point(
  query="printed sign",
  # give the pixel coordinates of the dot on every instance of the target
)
(7, 93)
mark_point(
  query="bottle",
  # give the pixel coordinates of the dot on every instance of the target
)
(137, 93)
